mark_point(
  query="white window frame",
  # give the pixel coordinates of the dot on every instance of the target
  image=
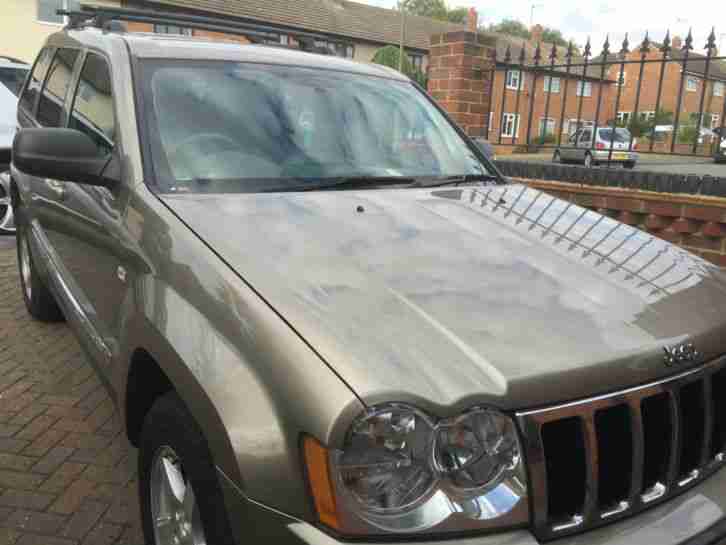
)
(550, 122)
(584, 124)
(646, 116)
(491, 122)
(715, 121)
(622, 82)
(625, 117)
(553, 87)
(63, 5)
(584, 88)
(691, 84)
(719, 87)
(520, 78)
(510, 121)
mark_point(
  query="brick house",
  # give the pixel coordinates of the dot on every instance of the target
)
(693, 86)
(560, 101)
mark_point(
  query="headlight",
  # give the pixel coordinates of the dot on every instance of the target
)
(402, 471)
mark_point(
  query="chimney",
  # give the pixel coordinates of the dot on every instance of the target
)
(537, 32)
(472, 20)
(677, 42)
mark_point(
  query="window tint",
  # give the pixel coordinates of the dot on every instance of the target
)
(27, 100)
(50, 105)
(93, 104)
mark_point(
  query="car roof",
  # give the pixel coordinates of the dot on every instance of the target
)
(166, 46)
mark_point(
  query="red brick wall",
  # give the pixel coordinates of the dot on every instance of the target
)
(459, 72)
(696, 223)
(133, 26)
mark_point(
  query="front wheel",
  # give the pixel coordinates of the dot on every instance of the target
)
(7, 225)
(38, 298)
(629, 164)
(588, 161)
(557, 157)
(181, 500)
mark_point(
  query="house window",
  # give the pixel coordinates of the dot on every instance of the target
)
(416, 61)
(338, 49)
(691, 84)
(172, 29)
(551, 85)
(573, 125)
(584, 88)
(715, 121)
(513, 80)
(646, 116)
(546, 126)
(510, 125)
(47, 10)
(624, 117)
(718, 88)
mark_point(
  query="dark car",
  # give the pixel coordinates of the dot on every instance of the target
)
(325, 317)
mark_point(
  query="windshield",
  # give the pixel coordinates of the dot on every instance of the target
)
(621, 135)
(240, 127)
(13, 78)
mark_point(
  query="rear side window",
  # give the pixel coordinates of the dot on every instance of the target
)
(50, 105)
(93, 111)
(27, 100)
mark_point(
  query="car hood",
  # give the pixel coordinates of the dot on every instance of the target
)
(451, 297)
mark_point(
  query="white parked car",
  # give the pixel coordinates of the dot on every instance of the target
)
(12, 76)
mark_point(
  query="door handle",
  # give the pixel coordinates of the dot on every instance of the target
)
(57, 188)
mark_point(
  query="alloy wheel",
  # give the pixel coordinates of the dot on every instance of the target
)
(588, 161)
(26, 267)
(174, 508)
(557, 158)
(7, 224)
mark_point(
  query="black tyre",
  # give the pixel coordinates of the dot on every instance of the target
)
(178, 484)
(39, 300)
(629, 164)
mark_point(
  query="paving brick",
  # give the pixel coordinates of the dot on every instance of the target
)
(39, 523)
(12, 446)
(84, 519)
(52, 460)
(16, 462)
(45, 442)
(72, 498)
(23, 499)
(103, 534)
(61, 479)
(8, 536)
(33, 539)
(20, 481)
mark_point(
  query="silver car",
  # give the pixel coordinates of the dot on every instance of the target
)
(581, 148)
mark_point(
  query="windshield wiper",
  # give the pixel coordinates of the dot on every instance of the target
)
(468, 178)
(351, 182)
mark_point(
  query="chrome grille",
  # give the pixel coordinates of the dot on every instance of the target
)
(609, 457)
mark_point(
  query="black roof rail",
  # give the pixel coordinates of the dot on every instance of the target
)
(103, 17)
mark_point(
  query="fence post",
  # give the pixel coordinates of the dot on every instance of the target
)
(461, 66)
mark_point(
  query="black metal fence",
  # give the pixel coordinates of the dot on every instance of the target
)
(687, 130)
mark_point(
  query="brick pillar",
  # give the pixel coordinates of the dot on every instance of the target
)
(460, 69)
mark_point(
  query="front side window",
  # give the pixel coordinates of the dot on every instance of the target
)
(50, 105)
(93, 111)
(513, 80)
(12, 78)
(47, 10)
(32, 89)
(255, 127)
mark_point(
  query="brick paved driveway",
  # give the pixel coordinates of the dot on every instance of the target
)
(67, 473)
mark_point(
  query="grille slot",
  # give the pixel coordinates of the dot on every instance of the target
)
(657, 430)
(692, 415)
(566, 468)
(718, 399)
(611, 456)
(615, 456)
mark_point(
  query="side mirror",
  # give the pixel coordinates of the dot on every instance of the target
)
(62, 154)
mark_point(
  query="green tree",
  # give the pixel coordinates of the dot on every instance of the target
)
(435, 9)
(553, 36)
(512, 27)
(389, 56)
(457, 15)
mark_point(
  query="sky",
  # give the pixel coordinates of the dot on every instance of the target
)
(578, 19)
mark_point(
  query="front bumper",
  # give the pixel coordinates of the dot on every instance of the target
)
(697, 517)
(617, 157)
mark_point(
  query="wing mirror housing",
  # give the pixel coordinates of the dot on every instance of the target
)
(63, 154)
